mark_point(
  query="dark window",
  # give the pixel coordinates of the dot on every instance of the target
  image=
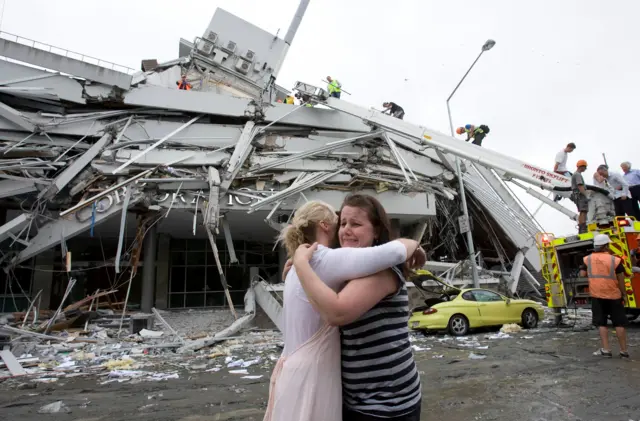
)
(468, 296)
(486, 296)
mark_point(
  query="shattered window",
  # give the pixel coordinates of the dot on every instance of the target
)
(194, 279)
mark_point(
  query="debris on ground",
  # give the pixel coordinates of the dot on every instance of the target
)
(511, 328)
(54, 408)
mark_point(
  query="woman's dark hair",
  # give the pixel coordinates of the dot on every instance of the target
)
(376, 214)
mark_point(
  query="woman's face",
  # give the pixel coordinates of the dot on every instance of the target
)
(355, 228)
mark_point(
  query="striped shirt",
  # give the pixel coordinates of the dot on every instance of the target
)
(379, 375)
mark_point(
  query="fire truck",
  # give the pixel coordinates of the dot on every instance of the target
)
(561, 258)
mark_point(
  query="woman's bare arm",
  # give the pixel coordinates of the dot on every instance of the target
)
(354, 300)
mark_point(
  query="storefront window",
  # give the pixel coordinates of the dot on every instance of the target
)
(194, 277)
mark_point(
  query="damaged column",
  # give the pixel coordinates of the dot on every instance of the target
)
(149, 269)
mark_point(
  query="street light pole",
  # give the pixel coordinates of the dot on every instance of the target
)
(465, 211)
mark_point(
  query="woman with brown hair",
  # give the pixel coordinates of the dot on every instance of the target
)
(379, 375)
(305, 384)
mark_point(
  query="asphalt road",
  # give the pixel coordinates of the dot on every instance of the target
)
(545, 374)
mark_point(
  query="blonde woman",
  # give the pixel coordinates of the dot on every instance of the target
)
(306, 384)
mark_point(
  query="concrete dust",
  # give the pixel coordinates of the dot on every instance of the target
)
(533, 375)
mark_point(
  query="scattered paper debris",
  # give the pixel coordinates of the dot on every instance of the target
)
(54, 408)
(150, 333)
(251, 377)
(510, 328)
(417, 348)
(473, 356)
(243, 371)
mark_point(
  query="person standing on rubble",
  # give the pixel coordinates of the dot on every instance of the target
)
(393, 109)
(560, 165)
(183, 84)
(380, 380)
(620, 188)
(632, 177)
(580, 196)
(334, 87)
(606, 288)
(305, 384)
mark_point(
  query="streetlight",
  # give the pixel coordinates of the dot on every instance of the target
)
(465, 212)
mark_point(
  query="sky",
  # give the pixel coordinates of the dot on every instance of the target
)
(561, 71)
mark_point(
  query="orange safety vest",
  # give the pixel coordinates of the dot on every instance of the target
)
(181, 85)
(601, 270)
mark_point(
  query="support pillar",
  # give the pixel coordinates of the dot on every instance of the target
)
(149, 269)
(43, 277)
(162, 272)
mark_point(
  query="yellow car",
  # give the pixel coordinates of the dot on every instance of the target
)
(458, 311)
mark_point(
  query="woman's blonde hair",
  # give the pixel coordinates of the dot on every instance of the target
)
(302, 228)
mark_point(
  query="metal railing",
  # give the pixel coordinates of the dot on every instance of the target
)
(67, 53)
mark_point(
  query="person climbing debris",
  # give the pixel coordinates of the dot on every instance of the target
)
(475, 133)
(334, 87)
(304, 99)
(620, 189)
(183, 84)
(560, 165)
(579, 195)
(393, 109)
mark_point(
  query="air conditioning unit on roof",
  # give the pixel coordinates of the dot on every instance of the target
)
(231, 47)
(243, 66)
(205, 47)
(212, 36)
(249, 55)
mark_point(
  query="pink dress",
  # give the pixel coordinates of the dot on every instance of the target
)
(302, 387)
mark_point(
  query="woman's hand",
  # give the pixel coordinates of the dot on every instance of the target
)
(303, 254)
(418, 259)
(287, 267)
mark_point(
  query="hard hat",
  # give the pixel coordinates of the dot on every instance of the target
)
(601, 240)
(468, 126)
(581, 163)
(460, 130)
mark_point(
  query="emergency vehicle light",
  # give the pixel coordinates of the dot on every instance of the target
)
(623, 223)
(545, 238)
(430, 311)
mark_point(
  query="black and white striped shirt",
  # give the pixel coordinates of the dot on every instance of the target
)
(379, 375)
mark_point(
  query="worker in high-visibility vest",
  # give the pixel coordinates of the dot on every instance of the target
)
(334, 87)
(475, 133)
(183, 84)
(288, 100)
(607, 289)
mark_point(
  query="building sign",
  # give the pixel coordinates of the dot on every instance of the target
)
(185, 198)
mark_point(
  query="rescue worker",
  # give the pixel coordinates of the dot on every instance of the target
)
(632, 177)
(620, 190)
(334, 87)
(183, 84)
(288, 100)
(580, 196)
(560, 165)
(393, 109)
(606, 288)
(475, 133)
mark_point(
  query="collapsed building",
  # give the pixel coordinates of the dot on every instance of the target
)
(120, 181)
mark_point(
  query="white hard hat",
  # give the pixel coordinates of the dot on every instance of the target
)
(601, 240)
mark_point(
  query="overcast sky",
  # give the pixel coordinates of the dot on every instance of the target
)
(561, 71)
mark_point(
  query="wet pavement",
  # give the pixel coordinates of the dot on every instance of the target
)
(542, 374)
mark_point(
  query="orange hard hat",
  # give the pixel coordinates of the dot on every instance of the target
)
(460, 130)
(581, 163)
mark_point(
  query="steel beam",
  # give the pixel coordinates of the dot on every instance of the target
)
(50, 234)
(16, 117)
(74, 169)
(14, 226)
(10, 188)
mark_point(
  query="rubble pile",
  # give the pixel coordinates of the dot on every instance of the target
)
(150, 354)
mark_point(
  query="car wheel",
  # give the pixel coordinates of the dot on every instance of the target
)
(458, 325)
(529, 319)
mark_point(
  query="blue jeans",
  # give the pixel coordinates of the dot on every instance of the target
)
(335, 95)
